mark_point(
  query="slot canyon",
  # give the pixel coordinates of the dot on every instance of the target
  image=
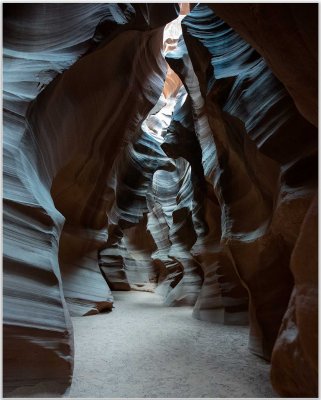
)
(160, 179)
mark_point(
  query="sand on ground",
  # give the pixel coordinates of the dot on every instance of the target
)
(145, 349)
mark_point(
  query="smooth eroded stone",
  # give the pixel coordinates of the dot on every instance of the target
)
(63, 128)
(294, 369)
(222, 298)
(290, 48)
(261, 144)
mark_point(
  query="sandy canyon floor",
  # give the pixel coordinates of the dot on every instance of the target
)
(145, 349)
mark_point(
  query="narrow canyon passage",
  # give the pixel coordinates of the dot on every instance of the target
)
(160, 184)
(145, 349)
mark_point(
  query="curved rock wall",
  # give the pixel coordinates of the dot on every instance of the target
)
(294, 34)
(266, 173)
(148, 182)
(59, 147)
(290, 50)
(295, 354)
(36, 320)
(183, 164)
(222, 297)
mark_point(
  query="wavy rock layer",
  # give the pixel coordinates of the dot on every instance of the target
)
(294, 33)
(290, 49)
(36, 320)
(57, 157)
(153, 189)
(266, 169)
(222, 297)
(182, 163)
(147, 182)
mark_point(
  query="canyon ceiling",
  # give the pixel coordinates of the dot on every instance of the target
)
(184, 164)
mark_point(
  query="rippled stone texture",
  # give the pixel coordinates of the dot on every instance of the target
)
(147, 183)
(150, 184)
(59, 147)
(266, 174)
(222, 297)
(194, 180)
(129, 245)
(290, 48)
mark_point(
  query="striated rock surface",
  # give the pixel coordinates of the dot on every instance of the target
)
(148, 184)
(85, 290)
(290, 48)
(57, 157)
(222, 297)
(266, 173)
(180, 159)
(129, 245)
(36, 320)
(152, 186)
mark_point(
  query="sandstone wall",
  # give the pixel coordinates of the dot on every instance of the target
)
(59, 147)
(183, 163)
